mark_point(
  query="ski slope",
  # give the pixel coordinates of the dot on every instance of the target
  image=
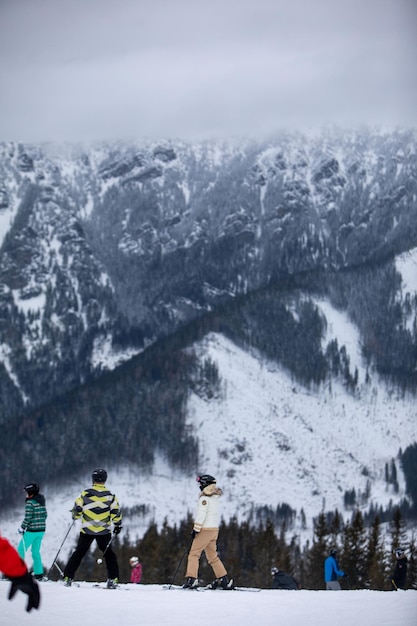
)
(151, 605)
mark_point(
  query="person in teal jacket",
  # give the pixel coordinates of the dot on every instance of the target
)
(33, 527)
(332, 572)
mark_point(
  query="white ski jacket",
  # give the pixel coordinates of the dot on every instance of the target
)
(208, 514)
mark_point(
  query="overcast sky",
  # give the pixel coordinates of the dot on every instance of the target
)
(97, 69)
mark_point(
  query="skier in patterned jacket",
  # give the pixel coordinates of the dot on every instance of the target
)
(13, 566)
(98, 509)
(205, 532)
(33, 527)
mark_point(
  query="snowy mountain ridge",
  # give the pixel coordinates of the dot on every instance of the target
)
(149, 235)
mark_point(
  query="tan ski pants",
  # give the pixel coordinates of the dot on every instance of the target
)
(205, 540)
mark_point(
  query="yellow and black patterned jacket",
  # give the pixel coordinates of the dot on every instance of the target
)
(98, 508)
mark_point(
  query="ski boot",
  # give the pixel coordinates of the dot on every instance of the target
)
(221, 583)
(112, 583)
(190, 583)
(226, 584)
(67, 581)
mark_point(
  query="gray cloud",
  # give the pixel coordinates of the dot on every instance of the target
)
(91, 69)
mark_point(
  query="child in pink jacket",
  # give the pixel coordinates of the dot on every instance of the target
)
(136, 573)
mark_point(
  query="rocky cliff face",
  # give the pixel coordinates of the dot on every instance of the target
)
(121, 244)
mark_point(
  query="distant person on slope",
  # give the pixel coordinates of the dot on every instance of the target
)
(205, 533)
(281, 580)
(332, 572)
(399, 576)
(97, 508)
(33, 526)
(13, 566)
(136, 571)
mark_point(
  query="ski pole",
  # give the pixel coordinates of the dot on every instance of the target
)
(59, 569)
(60, 548)
(100, 560)
(24, 543)
(179, 564)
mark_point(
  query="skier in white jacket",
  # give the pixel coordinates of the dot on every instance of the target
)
(205, 533)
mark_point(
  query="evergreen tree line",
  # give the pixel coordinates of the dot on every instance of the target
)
(386, 318)
(249, 551)
(285, 324)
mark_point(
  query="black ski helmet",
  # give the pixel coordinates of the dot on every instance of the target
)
(32, 489)
(333, 552)
(99, 476)
(205, 479)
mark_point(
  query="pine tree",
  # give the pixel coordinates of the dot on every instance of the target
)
(375, 558)
(314, 575)
(335, 528)
(394, 478)
(266, 553)
(250, 565)
(124, 552)
(412, 564)
(398, 534)
(169, 539)
(296, 560)
(354, 557)
(150, 547)
(398, 530)
(284, 549)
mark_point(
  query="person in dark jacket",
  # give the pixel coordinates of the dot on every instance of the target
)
(399, 576)
(332, 572)
(281, 580)
(13, 566)
(33, 527)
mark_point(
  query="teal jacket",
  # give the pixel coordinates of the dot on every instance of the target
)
(35, 514)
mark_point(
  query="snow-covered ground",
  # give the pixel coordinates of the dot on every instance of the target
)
(151, 605)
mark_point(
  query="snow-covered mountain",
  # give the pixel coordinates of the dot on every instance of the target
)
(99, 241)
(269, 441)
(107, 250)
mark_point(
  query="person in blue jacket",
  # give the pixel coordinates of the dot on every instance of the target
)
(332, 572)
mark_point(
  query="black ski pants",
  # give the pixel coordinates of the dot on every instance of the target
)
(84, 543)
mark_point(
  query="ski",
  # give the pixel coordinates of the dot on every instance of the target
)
(117, 588)
(73, 584)
(250, 589)
(203, 588)
(180, 587)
